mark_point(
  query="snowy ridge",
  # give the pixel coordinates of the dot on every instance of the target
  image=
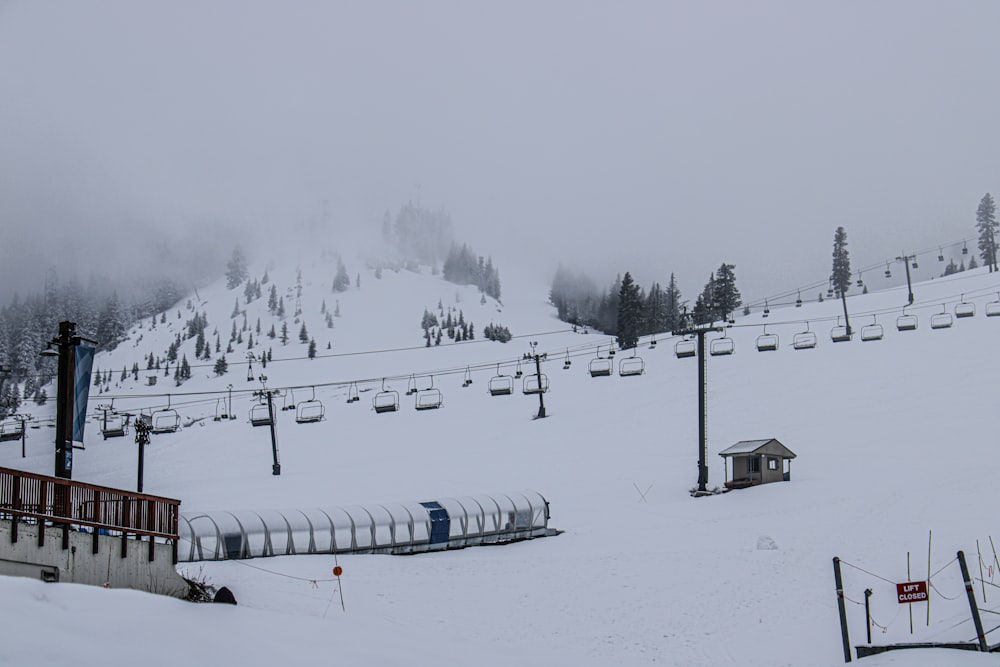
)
(894, 438)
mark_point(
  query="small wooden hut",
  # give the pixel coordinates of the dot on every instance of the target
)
(757, 462)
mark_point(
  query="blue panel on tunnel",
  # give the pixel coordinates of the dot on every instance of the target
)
(440, 523)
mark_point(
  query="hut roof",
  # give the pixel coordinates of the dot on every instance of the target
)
(769, 446)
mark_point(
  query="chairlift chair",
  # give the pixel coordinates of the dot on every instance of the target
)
(767, 342)
(940, 254)
(840, 334)
(873, 331)
(166, 420)
(220, 410)
(288, 401)
(429, 398)
(567, 362)
(311, 411)
(115, 426)
(260, 413)
(631, 366)
(652, 342)
(965, 309)
(11, 429)
(386, 400)
(518, 373)
(600, 366)
(965, 248)
(534, 384)
(942, 320)
(804, 340)
(411, 386)
(888, 271)
(906, 322)
(798, 299)
(722, 346)
(500, 384)
(468, 377)
(352, 393)
(685, 348)
(993, 308)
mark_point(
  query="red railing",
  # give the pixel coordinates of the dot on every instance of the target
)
(102, 508)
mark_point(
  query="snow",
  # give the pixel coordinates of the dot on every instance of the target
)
(894, 439)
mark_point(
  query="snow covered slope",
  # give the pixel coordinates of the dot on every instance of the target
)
(894, 438)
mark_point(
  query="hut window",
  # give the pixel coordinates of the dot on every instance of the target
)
(772, 463)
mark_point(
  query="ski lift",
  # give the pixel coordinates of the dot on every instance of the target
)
(888, 272)
(567, 362)
(798, 299)
(386, 400)
(500, 384)
(288, 401)
(311, 411)
(518, 373)
(840, 334)
(940, 254)
(114, 426)
(767, 311)
(965, 248)
(993, 308)
(535, 384)
(873, 331)
(429, 398)
(829, 289)
(860, 282)
(411, 386)
(11, 429)
(965, 309)
(352, 393)
(631, 366)
(767, 342)
(220, 410)
(906, 322)
(600, 366)
(804, 340)
(915, 265)
(652, 342)
(260, 413)
(722, 346)
(685, 348)
(166, 420)
(468, 377)
(942, 320)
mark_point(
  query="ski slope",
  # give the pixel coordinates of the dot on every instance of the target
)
(894, 438)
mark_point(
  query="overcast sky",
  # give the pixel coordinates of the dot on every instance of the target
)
(652, 137)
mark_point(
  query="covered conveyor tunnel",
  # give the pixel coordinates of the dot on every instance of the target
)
(394, 528)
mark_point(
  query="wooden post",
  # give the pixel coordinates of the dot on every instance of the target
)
(16, 504)
(843, 611)
(970, 591)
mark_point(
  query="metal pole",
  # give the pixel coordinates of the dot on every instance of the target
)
(868, 614)
(276, 466)
(541, 389)
(843, 612)
(909, 285)
(970, 591)
(24, 434)
(702, 413)
(64, 389)
(142, 439)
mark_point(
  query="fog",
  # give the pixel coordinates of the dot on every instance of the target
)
(644, 136)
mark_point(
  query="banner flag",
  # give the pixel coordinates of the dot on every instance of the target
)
(82, 366)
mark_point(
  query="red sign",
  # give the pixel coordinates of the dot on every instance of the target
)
(911, 591)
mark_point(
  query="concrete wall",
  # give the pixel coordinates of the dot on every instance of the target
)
(79, 565)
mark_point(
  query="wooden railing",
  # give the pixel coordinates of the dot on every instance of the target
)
(25, 495)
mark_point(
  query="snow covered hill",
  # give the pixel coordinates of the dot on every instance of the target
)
(895, 438)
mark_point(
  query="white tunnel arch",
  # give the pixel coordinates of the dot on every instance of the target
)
(391, 528)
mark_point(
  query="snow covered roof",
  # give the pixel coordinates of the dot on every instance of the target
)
(766, 446)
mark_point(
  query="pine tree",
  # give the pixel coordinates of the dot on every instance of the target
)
(236, 269)
(629, 318)
(281, 308)
(221, 366)
(727, 297)
(986, 223)
(840, 278)
(272, 300)
(284, 333)
(342, 281)
(312, 348)
(271, 333)
(303, 334)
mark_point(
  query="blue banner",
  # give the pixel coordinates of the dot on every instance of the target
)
(84, 361)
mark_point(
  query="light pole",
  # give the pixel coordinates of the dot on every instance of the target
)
(66, 343)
